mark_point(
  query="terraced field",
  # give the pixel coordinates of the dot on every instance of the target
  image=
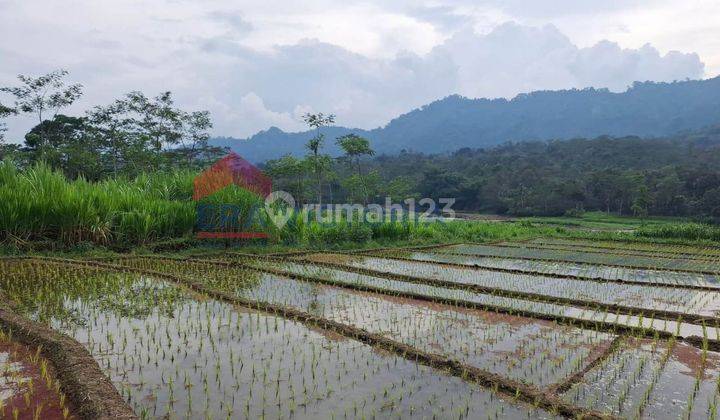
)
(540, 329)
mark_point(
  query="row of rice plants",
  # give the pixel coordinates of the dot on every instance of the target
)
(619, 252)
(643, 297)
(650, 247)
(533, 351)
(636, 395)
(172, 352)
(655, 379)
(638, 387)
(583, 258)
(563, 269)
(593, 317)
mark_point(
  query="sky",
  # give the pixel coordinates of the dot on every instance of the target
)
(257, 64)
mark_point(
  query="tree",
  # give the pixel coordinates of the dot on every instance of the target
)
(641, 203)
(43, 95)
(401, 188)
(68, 146)
(288, 174)
(355, 147)
(4, 113)
(195, 134)
(159, 122)
(319, 163)
(110, 123)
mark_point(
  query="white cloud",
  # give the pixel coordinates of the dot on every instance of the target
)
(251, 113)
(255, 64)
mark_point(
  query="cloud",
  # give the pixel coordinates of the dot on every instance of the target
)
(366, 92)
(513, 58)
(233, 19)
(606, 64)
(255, 64)
(252, 114)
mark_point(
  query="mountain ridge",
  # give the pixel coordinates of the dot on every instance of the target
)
(646, 109)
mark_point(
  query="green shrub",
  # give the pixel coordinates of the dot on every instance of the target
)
(691, 231)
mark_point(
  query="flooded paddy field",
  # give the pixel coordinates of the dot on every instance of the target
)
(539, 329)
(562, 268)
(618, 259)
(172, 351)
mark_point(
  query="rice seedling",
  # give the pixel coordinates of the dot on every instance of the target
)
(551, 289)
(533, 351)
(378, 334)
(564, 269)
(28, 385)
(577, 257)
(171, 351)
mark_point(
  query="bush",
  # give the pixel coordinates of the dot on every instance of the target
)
(691, 231)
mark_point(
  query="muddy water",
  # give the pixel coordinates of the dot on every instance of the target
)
(170, 351)
(28, 386)
(533, 351)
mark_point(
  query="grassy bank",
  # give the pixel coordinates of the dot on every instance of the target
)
(42, 210)
(41, 206)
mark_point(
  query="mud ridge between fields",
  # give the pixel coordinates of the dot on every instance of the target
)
(536, 297)
(511, 388)
(89, 390)
(546, 274)
(610, 327)
(561, 260)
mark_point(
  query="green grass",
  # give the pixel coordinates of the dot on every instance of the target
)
(602, 221)
(41, 210)
(682, 231)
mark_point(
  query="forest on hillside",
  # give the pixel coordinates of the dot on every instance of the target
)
(674, 176)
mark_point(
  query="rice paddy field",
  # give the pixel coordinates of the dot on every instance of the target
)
(543, 328)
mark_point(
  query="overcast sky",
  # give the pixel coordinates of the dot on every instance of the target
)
(255, 64)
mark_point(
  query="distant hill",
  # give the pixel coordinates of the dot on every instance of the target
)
(646, 109)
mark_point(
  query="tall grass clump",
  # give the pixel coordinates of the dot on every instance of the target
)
(41, 204)
(689, 231)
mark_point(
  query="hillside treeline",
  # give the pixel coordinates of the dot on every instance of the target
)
(678, 176)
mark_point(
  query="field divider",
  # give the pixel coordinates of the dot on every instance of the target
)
(597, 279)
(402, 248)
(561, 260)
(571, 244)
(584, 243)
(89, 390)
(536, 297)
(639, 240)
(598, 325)
(511, 388)
(605, 326)
(567, 383)
(617, 252)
